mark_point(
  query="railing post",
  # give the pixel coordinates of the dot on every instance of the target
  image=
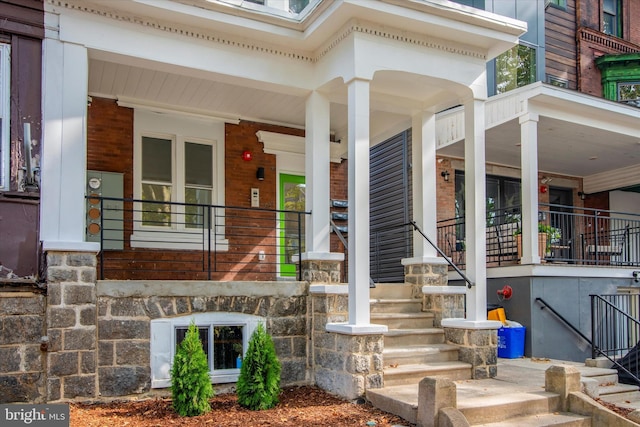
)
(593, 326)
(299, 269)
(209, 225)
(102, 238)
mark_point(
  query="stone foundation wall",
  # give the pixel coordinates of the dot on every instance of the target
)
(71, 326)
(124, 326)
(479, 347)
(346, 365)
(22, 325)
(426, 274)
(444, 306)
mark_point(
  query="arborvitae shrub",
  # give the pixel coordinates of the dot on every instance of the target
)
(190, 384)
(259, 382)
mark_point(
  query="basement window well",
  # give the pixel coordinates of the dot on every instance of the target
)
(224, 338)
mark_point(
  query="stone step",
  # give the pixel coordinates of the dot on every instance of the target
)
(413, 373)
(558, 419)
(400, 400)
(392, 291)
(604, 376)
(420, 354)
(404, 320)
(630, 400)
(501, 407)
(617, 388)
(395, 338)
(399, 305)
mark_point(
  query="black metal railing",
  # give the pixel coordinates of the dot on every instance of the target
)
(143, 239)
(616, 332)
(560, 317)
(567, 234)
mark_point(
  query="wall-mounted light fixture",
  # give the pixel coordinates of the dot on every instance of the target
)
(260, 174)
(445, 175)
(582, 195)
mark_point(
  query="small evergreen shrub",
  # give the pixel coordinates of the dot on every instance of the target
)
(190, 384)
(259, 382)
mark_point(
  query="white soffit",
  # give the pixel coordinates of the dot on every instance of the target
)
(620, 178)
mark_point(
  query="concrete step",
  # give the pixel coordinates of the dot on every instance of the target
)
(617, 388)
(413, 373)
(404, 320)
(397, 305)
(630, 400)
(400, 400)
(395, 338)
(392, 291)
(500, 407)
(420, 354)
(558, 419)
(604, 376)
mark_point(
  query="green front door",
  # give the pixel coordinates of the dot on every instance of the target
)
(291, 224)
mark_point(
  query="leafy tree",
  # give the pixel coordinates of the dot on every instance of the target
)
(259, 382)
(190, 384)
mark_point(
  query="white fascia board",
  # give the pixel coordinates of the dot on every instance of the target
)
(135, 41)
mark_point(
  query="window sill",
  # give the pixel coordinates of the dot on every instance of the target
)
(176, 241)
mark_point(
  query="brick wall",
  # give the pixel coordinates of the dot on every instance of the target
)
(110, 148)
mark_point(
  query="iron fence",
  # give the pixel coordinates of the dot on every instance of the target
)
(158, 240)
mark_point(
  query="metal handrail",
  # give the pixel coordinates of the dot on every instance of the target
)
(596, 349)
(336, 230)
(470, 284)
(565, 321)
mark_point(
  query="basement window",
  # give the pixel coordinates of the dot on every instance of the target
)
(224, 337)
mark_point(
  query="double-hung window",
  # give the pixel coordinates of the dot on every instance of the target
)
(612, 17)
(5, 95)
(177, 163)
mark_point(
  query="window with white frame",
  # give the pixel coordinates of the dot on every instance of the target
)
(224, 337)
(5, 95)
(178, 174)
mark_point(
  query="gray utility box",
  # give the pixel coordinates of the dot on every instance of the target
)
(105, 220)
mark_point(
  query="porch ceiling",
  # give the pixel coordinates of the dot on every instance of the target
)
(578, 135)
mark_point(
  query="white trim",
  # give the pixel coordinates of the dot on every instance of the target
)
(49, 245)
(180, 129)
(423, 260)
(554, 270)
(444, 290)
(471, 324)
(350, 329)
(5, 115)
(163, 337)
(322, 256)
(158, 107)
(329, 289)
(279, 144)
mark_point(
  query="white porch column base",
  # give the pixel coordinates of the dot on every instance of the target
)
(471, 324)
(322, 256)
(423, 260)
(350, 329)
(71, 246)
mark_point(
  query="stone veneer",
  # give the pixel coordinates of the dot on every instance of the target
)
(71, 326)
(125, 310)
(346, 365)
(479, 347)
(321, 271)
(22, 322)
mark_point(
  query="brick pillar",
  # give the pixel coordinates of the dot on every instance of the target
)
(71, 325)
(479, 347)
(346, 365)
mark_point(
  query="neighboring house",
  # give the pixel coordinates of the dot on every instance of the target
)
(566, 159)
(21, 34)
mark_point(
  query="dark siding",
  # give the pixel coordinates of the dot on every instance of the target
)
(390, 194)
(560, 34)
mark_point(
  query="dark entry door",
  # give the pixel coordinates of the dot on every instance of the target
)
(561, 211)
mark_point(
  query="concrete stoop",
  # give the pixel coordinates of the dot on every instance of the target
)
(609, 389)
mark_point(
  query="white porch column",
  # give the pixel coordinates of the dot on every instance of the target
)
(358, 236)
(64, 165)
(423, 146)
(317, 171)
(475, 209)
(529, 165)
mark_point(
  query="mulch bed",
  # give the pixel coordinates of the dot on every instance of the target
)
(299, 406)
